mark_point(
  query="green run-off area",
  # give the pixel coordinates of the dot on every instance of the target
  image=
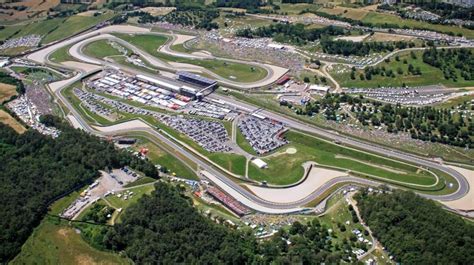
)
(286, 168)
(230, 70)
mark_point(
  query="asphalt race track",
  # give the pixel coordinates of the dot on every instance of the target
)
(225, 183)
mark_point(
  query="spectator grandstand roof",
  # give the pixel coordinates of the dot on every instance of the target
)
(196, 77)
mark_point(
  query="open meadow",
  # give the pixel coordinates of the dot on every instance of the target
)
(56, 242)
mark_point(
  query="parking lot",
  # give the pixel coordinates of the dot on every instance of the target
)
(27, 111)
(210, 109)
(107, 184)
(26, 41)
(405, 96)
(263, 135)
(89, 101)
(210, 135)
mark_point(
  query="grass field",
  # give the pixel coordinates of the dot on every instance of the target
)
(9, 31)
(60, 205)
(430, 75)
(163, 158)
(232, 162)
(54, 29)
(6, 119)
(61, 55)
(41, 27)
(243, 143)
(383, 37)
(74, 25)
(40, 75)
(347, 12)
(455, 101)
(338, 213)
(100, 49)
(55, 242)
(140, 181)
(295, 9)
(238, 23)
(287, 168)
(138, 192)
(6, 92)
(229, 70)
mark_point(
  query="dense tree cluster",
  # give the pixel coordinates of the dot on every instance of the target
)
(98, 214)
(347, 48)
(36, 169)
(187, 13)
(424, 123)
(451, 61)
(199, 18)
(415, 230)
(245, 4)
(164, 228)
(371, 71)
(293, 33)
(297, 1)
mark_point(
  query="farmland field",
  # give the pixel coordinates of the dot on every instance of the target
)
(5, 118)
(6, 91)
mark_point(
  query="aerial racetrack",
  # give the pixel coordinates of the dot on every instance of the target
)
(153, 48)
(340, 163)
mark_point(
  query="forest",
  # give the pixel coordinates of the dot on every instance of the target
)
(451, 61)
(416, 230)
(292, 33)
(164, 228)
(36, 169)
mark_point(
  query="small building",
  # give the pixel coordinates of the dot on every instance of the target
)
(259, 163)
(318, 88)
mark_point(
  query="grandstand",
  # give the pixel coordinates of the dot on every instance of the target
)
(196, 79)
(228, 201)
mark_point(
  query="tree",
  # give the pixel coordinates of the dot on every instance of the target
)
(416, 230)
